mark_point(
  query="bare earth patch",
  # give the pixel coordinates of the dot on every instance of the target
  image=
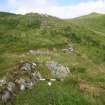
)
(87, 88)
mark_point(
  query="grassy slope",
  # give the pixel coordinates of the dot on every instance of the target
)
(20, 33)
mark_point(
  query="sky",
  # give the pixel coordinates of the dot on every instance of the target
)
(58, 8)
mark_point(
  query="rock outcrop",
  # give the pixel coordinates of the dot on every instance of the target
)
(58, 70)
(24, 77)
(27, 75)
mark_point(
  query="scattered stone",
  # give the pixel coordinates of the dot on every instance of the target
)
(26, 76)
(58, 70)
(68, 50)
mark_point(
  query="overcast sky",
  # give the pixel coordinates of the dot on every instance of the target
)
(59, 8)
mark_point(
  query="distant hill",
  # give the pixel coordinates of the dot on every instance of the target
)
(6, 14)
(93, 21)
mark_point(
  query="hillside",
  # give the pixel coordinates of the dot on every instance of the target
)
(22, 34)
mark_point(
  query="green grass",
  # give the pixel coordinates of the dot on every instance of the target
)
(21, 33)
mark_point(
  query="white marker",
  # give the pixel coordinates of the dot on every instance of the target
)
(49, 83)
(52, 79)
(42, 79)
(49, 80)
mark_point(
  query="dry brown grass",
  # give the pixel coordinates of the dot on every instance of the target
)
(92, 89)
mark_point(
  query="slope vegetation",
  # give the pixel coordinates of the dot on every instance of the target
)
(37, 32)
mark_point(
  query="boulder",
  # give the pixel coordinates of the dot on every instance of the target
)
(58, 70)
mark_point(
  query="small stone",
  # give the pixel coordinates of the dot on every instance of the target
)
(11, 86)
(34, 64)
(2, 82)
(31, 51)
